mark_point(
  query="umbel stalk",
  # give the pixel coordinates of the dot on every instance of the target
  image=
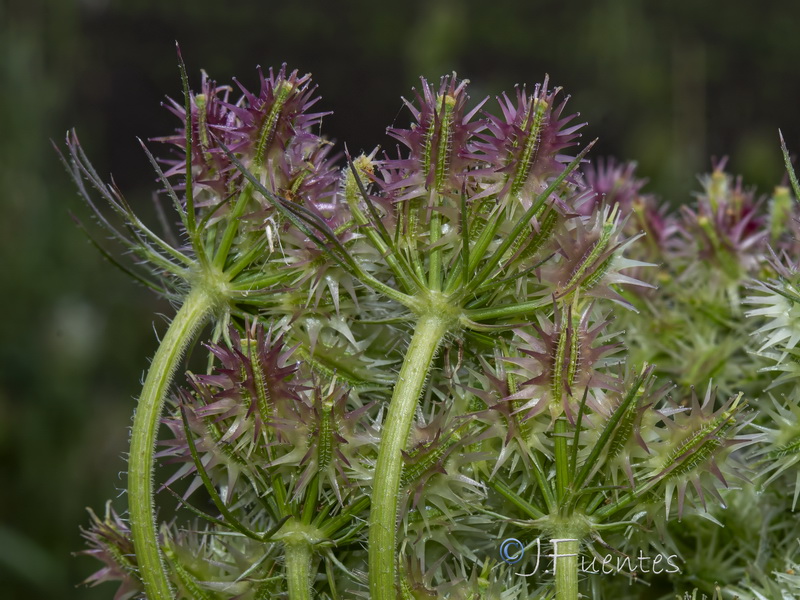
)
(298, 570)
(566, 566)
(428, 334)
(189, 319)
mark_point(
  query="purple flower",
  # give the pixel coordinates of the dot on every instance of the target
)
(559, 363)
(524, 145)
(440, 144)
(334, 435)
(271, 133)
(212, 121)
(697, 447)
(727, 223)
(269, 120)
(110, 542)
(232, 411)
(612, 184)
(591, 259)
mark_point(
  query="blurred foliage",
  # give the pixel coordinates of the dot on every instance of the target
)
(667, 84)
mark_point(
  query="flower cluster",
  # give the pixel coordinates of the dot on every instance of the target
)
(414, 354)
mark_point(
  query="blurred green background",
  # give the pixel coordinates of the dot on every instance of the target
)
(666, 83)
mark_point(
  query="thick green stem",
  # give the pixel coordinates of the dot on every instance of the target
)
(298, 569)
(428, 335)
(565, 552)
(192, 315)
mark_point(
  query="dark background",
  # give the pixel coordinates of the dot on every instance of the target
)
(669, 84)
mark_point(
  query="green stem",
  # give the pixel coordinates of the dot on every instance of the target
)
(401, 271)
(494, 260)
(192, 315)
(541, 480)
(506, 311)
(561, 458)
(232, 227)
(522, 504)
(566, 567)
(298, 569)
(625, 500)
(428, 334)
(435, 268)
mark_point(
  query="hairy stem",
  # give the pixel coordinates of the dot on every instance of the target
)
(192, 315)
(428, 335)
(298, 570)
(566, 567)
